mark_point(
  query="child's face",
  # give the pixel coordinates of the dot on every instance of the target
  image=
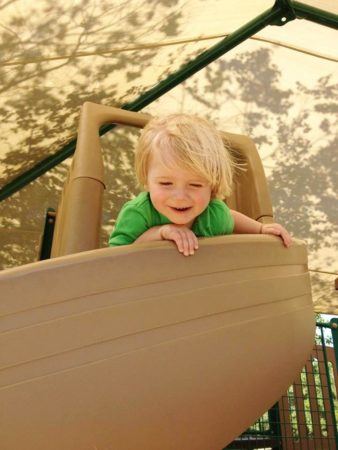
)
(176, 193)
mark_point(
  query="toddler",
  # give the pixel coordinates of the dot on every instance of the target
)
(186, 171)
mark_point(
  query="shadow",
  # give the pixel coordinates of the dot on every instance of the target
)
(300, 143)
(46, 77)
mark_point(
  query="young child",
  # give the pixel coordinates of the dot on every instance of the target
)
(185, 170)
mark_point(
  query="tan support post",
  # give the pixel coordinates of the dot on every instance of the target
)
(79, 214)
(250, 194)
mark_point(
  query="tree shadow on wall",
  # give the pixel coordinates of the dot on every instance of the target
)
(301, 141)
(54, 58)
(41, 96)
(302, 181)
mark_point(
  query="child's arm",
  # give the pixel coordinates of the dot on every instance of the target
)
(184, 238)
(132, 226)
(244, 224)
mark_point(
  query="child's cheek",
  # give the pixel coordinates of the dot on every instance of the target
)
(203, 198)
(158, 197)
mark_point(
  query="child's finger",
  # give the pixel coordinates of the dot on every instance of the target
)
(185, 241)
(191, 240)
(286, 238)
(278, 230)
(195, 242)
(177, 238)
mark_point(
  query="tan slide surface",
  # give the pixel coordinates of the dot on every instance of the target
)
(140, 347)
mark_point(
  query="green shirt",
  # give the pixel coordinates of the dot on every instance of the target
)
(139, 214)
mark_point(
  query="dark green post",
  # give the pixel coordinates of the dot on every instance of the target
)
(329, 385)
(334, 331)
(274, 422)
(47, 237)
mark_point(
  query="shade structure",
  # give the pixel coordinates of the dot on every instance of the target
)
(265, 74)
(101, 50)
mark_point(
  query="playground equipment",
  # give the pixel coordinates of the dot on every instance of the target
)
(139, 347)
(305, 415)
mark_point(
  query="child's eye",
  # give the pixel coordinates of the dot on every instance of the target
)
(196, 185)
(165, 183)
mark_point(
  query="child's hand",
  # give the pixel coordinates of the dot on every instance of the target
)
(277, 230)
(184, 238)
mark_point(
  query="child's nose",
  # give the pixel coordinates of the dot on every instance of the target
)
(180, 193)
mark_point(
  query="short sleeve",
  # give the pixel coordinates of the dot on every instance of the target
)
(130, 224)
(216, 220)
(229, 222)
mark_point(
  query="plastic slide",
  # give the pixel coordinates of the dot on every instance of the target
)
(138, 347)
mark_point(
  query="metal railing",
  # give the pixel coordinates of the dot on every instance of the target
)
(306, 416)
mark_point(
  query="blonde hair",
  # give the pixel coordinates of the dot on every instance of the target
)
(192, 143)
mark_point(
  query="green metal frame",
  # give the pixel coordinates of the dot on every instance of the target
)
(329, 384)
(315, 15)
(334, 331)
(282, 12)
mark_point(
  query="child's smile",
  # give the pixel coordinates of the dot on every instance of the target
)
(181, 209)
(177, 193)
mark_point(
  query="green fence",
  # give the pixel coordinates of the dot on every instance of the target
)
(306, 416)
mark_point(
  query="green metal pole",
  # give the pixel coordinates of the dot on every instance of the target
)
(315, 15)
(334, 422)
(324, 325)
(47, 237)
(334, 331)
(268, 17)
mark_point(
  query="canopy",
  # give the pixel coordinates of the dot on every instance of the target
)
(278, 87)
